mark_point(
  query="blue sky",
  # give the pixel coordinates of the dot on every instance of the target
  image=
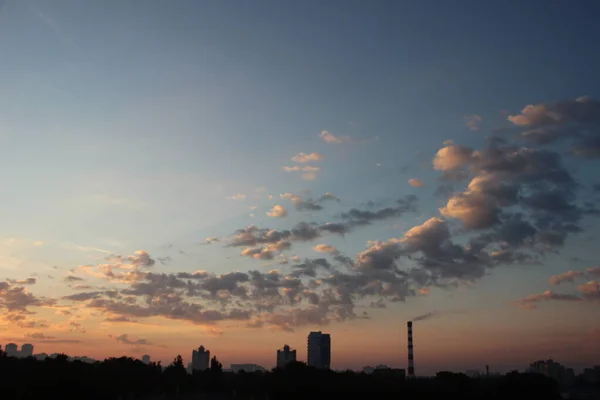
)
(126, 125)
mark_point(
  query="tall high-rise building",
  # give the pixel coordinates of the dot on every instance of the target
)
(12, 350)
(27, 350)
(285, 356)
(146, 359)
(200, 359)
(319, 350)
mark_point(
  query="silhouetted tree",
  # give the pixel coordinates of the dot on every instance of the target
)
(127, 378)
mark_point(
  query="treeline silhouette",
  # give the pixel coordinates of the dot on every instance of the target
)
(126, 378)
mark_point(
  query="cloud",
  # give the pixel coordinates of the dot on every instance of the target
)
(309, 173)
(304, 158)
(365, 217)
(328, 196)
(277, 211)
(329, 138)
(508, 205)
(325, 248)
(574, 121)
(593, 271)
(72, 278)
(38, 335)
(16, 299)
(305, 168)
(28, 281)
(568, 276)
(38, 243)
(532, 300)
(587, 292)
(211, 240)
(532, 183)
(451, 157)
(124, 338)
(473, 121)
(301, 204)
(415, 182)
(239, 196)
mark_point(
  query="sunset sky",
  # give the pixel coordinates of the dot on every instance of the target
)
(235, 174)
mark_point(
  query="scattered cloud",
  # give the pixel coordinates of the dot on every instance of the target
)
(304, 158)
(330, 138)
(72, 278)
(239, 196)
(124, 338)
(301, 204)
(415, 182)
(305, 168)
(28, 281)
(532, 300)
(568, 276)
(329, 196)
(473, 122)
(574, 121)
(277, 211)
(325, 248)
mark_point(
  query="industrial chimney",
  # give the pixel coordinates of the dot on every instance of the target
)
(411, 359)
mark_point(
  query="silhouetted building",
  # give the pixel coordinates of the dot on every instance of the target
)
(473, 373)
(592, 375)
(146, 359)
(561, 374)
(285, 356)
(235, 368)
(200, 359)
(27, 350)
(12, 350)
(319, 350)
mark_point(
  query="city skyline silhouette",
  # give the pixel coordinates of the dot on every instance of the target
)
(236, 175)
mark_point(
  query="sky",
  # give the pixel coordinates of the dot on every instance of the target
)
(237, 174)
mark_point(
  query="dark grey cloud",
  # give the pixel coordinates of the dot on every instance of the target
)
(72, 278)
(16, 299)
(302, 204)
(574, 121)
(124, 338)
(28, 281)
(364, 217)
(516, 197)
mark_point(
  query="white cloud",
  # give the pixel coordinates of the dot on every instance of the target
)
(277, 211)
(239, 196)
(303, 157)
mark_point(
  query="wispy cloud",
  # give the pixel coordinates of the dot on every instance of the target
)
(328, 137)
(239, 196)
(473, 122)
(304, 158)
(415, 182)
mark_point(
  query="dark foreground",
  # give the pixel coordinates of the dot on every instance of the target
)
(125, 378)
